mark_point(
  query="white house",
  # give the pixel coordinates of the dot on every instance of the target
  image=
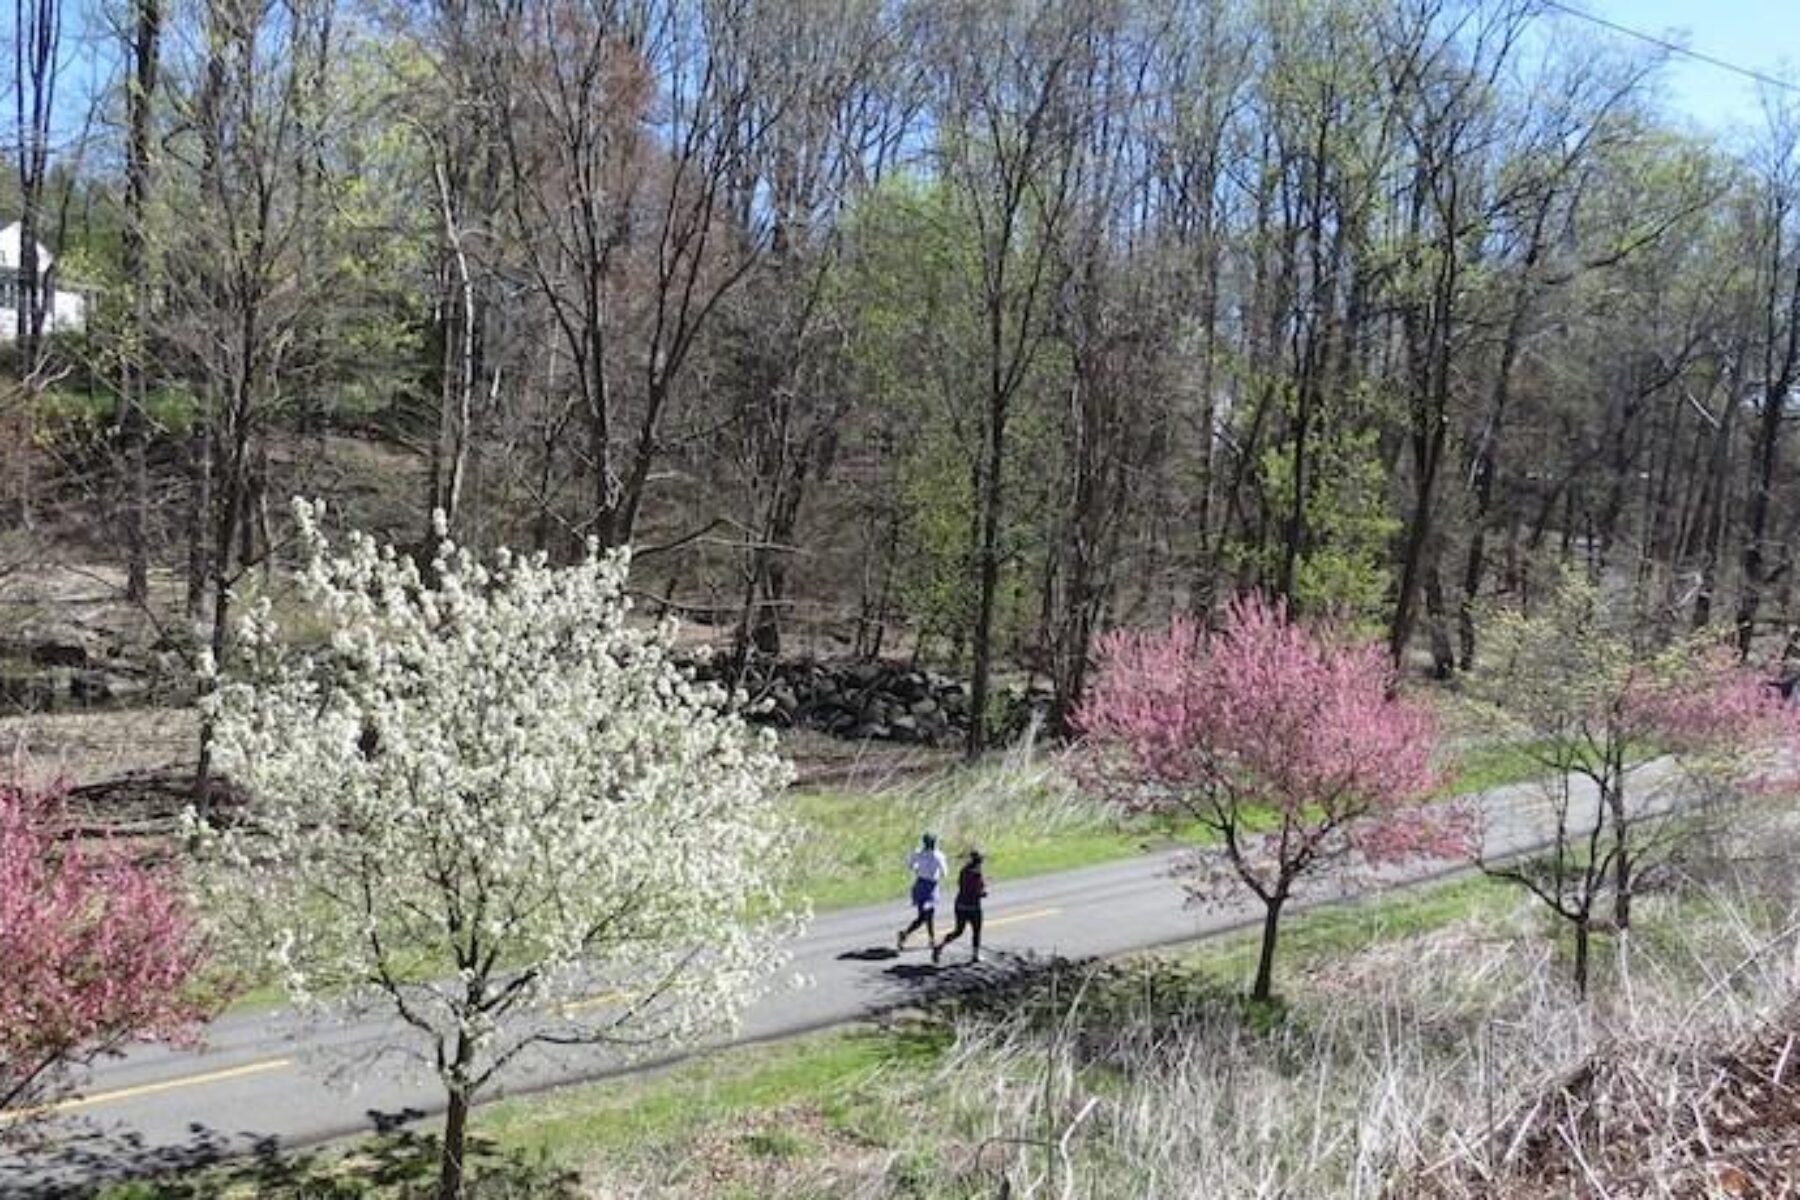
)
(66, 311)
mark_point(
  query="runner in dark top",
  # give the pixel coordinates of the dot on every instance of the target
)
(971, 888)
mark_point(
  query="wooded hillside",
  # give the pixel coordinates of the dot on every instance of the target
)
(933, 327)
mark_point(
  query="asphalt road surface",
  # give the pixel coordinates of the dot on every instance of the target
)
(268, 1081)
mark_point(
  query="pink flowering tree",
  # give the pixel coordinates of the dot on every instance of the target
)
(1287, 744)
(1603, 712)
(96, 950)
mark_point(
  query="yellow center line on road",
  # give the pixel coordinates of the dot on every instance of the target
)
(276, 1064)
(1014, 918)
(146, 1089)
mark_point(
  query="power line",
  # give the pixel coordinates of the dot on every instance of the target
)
(1673, 47)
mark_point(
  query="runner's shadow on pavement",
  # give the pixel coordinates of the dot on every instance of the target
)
(869, 954)
(394, 1122)
(1002, 983)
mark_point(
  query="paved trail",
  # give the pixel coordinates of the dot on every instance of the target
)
(267, 1081)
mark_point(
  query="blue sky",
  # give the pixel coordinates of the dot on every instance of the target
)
(1763, 35)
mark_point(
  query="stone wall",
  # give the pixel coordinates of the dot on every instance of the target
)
(75, 667)
(885, 701)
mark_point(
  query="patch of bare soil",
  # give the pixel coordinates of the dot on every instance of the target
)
(84, 748)
(127, 772)
(1635, 1122)
(371, 483)
(65, 627)
(92, 747)
(56, 594)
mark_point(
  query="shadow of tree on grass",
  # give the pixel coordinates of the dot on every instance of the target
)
(397, 1162)
(1101, 1008)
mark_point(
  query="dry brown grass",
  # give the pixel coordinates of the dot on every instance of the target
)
(1650, 1117)
(1452, 1065)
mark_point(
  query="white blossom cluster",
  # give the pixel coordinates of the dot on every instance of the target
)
(496, 806)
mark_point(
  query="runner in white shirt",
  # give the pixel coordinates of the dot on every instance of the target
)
(928, 866)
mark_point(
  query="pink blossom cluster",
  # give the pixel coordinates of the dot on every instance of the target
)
(96, 948)
(1710, 702)
(1713, 704)
(1267, 716)
(1144, 714)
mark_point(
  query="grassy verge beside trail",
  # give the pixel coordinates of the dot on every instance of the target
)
(1021, 813)
(935, 1106)
(673, 1127)
(1490, 765)
(1025, 816)
(1310, 937)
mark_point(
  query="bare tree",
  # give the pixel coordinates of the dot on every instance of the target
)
(1116, 317)
(1007, 132)
(249, 282)
(848, 105)
(145, 46)
(1778, 338)
(1580, 111)
(37, 69)
(456, 113)
(630, 122)
(1446, 79)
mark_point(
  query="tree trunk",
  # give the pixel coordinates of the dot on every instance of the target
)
(30, 290)
(1294, 531)
(217, 646)
(989, 501)
(1622, 885)
(1264, 987)
(1779, 368)
(772, 575)
(1582, 934)
(199, 506)
(1622, 864)
(133, 421)
(456, 363)
(1473, 567)
(766, 574)
(1205, 582)
(1762, 485)
(1486, 464)
(1443, 656)
(1414, 563)
(1427, 336)
(1714, 516)
(452, 1178)
(137, 498)
(229, 509)
(253, 472)
(1081, 557)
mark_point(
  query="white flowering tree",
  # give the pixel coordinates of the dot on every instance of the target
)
(492, 805)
